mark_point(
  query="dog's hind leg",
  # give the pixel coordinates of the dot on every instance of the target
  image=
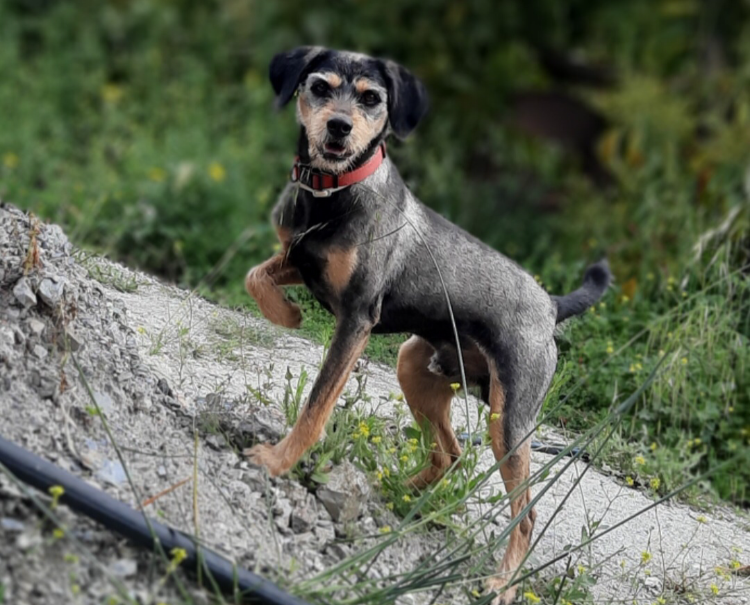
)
(513, 411)
(429, 397)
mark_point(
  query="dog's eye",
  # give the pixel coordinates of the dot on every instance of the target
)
(320, 88)
(370, 98)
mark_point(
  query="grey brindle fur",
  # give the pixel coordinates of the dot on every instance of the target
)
(370, 254)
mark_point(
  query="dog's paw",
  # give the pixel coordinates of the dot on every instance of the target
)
(291, 316)
(267, 456)
(504, 596)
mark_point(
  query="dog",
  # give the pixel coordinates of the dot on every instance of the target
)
(381, 262)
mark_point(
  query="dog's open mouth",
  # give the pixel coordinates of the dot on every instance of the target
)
(336, 151)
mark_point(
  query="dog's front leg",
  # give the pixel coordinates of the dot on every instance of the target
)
(264, 283)
(348, 342)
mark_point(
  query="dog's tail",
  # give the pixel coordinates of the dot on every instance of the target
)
(597, 279)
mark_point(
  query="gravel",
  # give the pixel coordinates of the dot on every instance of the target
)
(161, 372)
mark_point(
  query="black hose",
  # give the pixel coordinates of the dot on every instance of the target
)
(120, 518)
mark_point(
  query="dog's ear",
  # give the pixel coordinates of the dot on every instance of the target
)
(407, 98)
(288, 69)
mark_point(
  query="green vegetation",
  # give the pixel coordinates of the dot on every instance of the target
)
(146, 129)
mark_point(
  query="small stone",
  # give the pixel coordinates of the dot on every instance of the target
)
(39, 352)
(105, 403)
(24, 294)
(161, 471)
(51, 291)
(36, 326)
(304, 516)
(216, 441)
(255, 478)
(111, 472)
(124, 568)
(11, 525)
(345, 493)
(164, 387)
(73, 339)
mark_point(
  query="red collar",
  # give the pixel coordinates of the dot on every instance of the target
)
(322, 184)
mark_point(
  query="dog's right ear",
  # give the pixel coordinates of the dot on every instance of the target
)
(288, 69)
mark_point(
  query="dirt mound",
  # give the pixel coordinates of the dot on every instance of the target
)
(79, 334)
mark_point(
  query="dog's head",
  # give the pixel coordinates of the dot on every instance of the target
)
(346, 101)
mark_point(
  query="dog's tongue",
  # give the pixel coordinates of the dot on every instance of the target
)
(334, 148)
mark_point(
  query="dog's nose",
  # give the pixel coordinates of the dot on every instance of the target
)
(339, 126)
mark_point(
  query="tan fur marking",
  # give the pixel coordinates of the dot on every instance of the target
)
(262, 283)
(515, 472)
(285, 236)
(363, 84)
(365, 129)
(334, 80)
(429, 398)
(340, 265)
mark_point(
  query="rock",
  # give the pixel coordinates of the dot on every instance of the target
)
(164, 387)
(282, 511)
(24, 294)
(51, 291)
(39, 352)
(124, 568)
(263, 426)
(217, 441)
(11, 525)
(255, 478)
(304, 516)
(345, 493)
(105, 403)
(36, 326)
(111, 472)
(161, 471)
(73, 339)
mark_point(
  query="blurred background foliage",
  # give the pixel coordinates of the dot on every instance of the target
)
(558, 132)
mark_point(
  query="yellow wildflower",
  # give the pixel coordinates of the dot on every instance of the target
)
(625, 298)
(386, 471)
(701, 519)
(111, 93)
(404, 458)
(714, 589)
(602, 305)
(178, 555)
(56, 491)
(389, 505)
(734, 564)
(376, 439)
(386, 529)
(645, 557)
(610, 349)
(455, 386)
(400, 397)
(653, 446)
(476, 593)
(629, 481)
(655, 483)
(494, 416)
(531, 597)
(10, 160)
(406, 498)
(157, 174)
(380, 475)
(640, 460)
(75, 588)
(217, 172)
(683, 361)
(58, 533)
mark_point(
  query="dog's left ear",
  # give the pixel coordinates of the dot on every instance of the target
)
(288, 69)
(407, 98)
